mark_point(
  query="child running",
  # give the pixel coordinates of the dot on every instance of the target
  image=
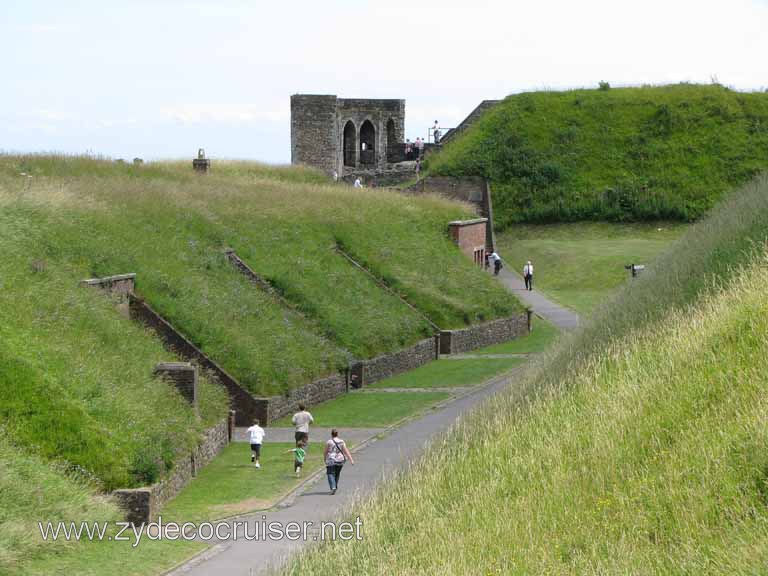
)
(300, 453)
(256, 437)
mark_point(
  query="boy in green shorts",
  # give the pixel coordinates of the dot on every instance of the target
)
(300, 453)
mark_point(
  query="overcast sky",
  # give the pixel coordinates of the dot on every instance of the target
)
(160, 78)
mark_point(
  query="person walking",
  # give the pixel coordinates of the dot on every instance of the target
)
(419, 147)
(301, 420)
(256, 437)
(436, 132)
(528, 275)
(418, 168)
(299, 454)
(336, 454)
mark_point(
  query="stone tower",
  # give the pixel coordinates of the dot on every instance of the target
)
(333, 133)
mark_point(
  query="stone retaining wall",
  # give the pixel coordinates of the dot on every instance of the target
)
(143, 505)
(310, 394)
(367, 372)
(493, 332)
(245, 404)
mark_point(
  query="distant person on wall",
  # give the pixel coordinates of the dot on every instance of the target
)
(299, 454)
(436, 132)
(358, 182)
(335, 455)
(419, 146)
(408, 147)
(301, 420)
(528, 275)
(256, 437)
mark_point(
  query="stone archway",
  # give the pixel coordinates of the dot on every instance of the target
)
(350, 144)
(367, 143)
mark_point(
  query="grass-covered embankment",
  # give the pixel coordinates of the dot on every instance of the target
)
(636, 446)
(646, 153)
(81, 414)
(171, 227)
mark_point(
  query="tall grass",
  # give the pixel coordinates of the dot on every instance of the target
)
(650, 153)
(172, 227)
(636, 447)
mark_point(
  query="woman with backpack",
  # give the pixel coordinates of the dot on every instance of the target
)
(336, 454)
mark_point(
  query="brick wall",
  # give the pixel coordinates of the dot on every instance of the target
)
(470, 236)
(119, 287)
(486, 334)
(144, 504)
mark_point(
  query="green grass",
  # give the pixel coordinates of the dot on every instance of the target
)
(171, 227)
(369, 409)
(580, 265)
(77, 395)
(448, 373)
(645, 153)
(541, 336)
(636, 446)
(230, 484)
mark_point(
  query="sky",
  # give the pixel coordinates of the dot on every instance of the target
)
(161, 78)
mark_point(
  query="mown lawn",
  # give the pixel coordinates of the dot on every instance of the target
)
(369, 409)
(579, 265)
(541, 336)
(231, 485)
(446, 373)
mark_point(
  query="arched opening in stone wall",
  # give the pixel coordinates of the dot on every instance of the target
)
(367, 143)
(350, 143)
(391, 141)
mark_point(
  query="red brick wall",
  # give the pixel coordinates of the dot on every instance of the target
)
(469, 237)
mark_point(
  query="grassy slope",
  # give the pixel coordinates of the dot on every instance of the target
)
(638, 449)
(664, 152)
(77, 399)
(580, 264)
(171, 227)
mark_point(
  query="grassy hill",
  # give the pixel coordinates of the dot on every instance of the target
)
(635, 446)
(650, 153)
(81, 413)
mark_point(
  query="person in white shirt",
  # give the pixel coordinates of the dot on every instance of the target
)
(495, 261)
(436, 132)
(528, 275)
(358, 183)
(256, 437)
(301, 420)
(335, 176)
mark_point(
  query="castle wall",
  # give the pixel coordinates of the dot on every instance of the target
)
(317, 131)
(314, 137)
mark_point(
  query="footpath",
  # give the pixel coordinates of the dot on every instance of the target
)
(379, 456)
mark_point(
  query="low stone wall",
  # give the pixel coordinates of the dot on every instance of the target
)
(493, 332)
(367, 372)
(310, 394)
(247, 407)
(143, 505)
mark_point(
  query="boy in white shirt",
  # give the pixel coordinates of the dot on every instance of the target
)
(256, 437)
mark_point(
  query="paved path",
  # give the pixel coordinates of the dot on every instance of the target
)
(378, 459)
(352, 435)
(483, 356)
(562, 317)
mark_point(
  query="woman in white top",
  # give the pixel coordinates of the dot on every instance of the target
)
(335, 455)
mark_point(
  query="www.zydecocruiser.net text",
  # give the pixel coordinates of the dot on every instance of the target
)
(253, 530)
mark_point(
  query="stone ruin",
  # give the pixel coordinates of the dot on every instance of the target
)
(351, 136)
